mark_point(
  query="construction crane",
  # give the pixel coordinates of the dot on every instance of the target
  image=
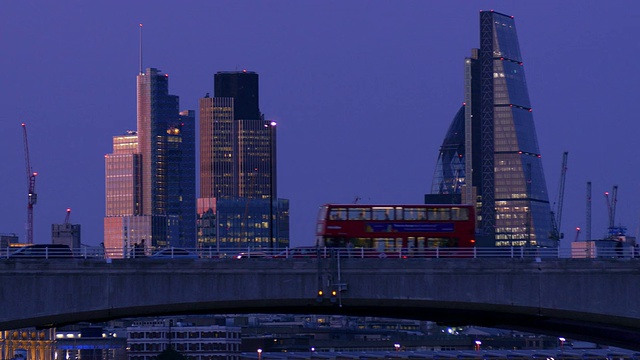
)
(31, 190)
(611, 205)
(556, 217)
(66, 218)
(614, 231)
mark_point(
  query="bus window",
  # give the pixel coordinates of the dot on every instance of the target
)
(337, 213)
(335, 242)
(398, 244)
(382, 213)
(361, 242)
(322, 214)
(459, 214)
(399, 213)
(442, 242)
(383, 244)
(438, 214)
(414, 214)
(359, 214)
(411, 243)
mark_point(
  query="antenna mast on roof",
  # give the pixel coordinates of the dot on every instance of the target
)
(140, 48)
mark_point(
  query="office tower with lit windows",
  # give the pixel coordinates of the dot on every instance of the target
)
(490, 155)
(238, 168)
(150, 176)
(166, 143)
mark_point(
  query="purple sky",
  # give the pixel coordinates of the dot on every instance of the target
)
(363, 92)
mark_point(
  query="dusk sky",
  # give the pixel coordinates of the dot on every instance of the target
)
(363, 93)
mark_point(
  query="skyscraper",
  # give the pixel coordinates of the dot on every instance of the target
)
(150, 177)
(490, 155)
(238, 166)
(166, 141)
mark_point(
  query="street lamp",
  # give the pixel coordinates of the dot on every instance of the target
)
(478, 343)
(259, 354)
(397, 346)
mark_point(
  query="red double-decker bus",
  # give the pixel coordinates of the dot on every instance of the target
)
(396, 228)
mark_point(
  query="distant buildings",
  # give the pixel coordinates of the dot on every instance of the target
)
(146, 342)
(86, 342)
(66, 234)
(150, 176)
(490, 154)
(238, 205)
(27, 344)
(7, 239)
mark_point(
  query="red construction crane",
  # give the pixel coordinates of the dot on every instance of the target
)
(66, 218)
(31, 183)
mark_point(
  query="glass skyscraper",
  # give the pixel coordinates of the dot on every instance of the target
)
(238, 168)
(150, 176)
(490, 155)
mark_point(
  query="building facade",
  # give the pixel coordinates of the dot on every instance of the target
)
(66, 234)
(90, 343)
(193, 342)
(238, 168)
(166, 143)
(150, 176)
(27, 344)
(490, 155)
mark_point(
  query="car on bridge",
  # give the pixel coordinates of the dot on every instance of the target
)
(251, 255)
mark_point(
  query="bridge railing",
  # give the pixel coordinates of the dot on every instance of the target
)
(588, 252)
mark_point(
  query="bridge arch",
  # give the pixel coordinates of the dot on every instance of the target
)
(587, 299)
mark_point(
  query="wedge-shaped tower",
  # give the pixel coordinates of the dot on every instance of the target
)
(490, 155)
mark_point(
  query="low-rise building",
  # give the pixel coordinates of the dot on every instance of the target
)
(147, 341)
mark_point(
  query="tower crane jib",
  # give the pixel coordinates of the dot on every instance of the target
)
(31, 186)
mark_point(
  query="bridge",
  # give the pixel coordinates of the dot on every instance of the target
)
(589, 299)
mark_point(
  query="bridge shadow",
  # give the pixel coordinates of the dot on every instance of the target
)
(555, 297)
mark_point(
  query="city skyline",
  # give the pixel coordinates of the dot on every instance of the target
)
(360, 104)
